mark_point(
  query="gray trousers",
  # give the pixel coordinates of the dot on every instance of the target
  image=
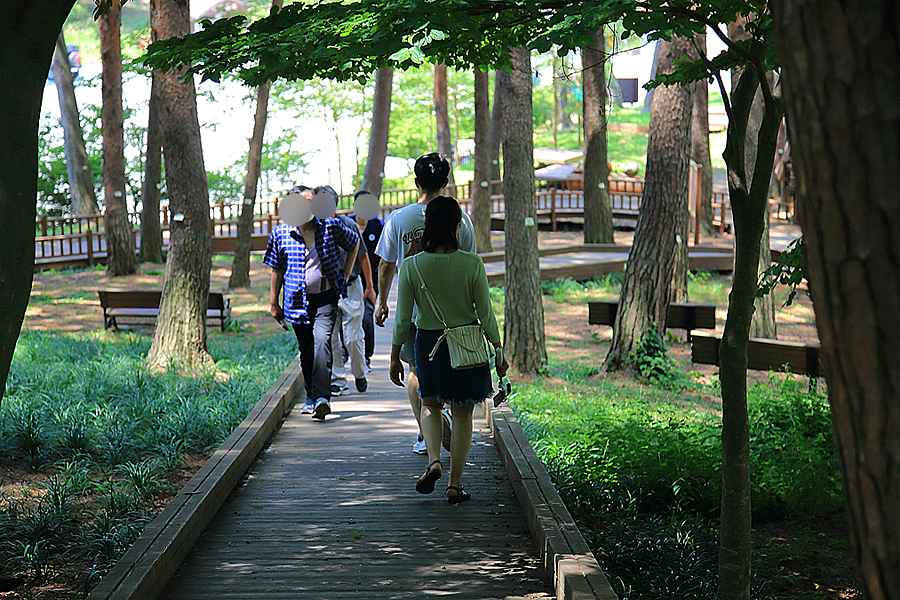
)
(314, 340)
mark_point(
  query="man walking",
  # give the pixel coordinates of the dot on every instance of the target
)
(305, 260)
(400, 240)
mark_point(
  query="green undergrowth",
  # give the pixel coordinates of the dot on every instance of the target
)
(106, 439)
(640, 472)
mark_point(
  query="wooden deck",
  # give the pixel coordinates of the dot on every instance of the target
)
(329, 510)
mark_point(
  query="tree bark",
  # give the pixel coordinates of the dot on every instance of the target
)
(240, 267)
(121, 259)
(442, 117)
(481, 187)
(29, 36)
(846, 149)
(501, 81)
(151, 229)
(373, 175)
(762, 324)
(524, 323)
(598, 223)
(180, 337)
(646, 289)
(700, 146)
(78, 166)
(749, 205)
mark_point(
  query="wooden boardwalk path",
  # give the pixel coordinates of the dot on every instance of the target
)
(329, 510)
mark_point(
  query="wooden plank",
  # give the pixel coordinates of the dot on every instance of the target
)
(681, 315)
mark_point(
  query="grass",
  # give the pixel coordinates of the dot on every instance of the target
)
(107, 440)
(638, 466)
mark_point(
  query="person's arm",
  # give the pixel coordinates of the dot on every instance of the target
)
(396, 365)
(277, 282)
(386, 272)
(351, 258)
(365, 266)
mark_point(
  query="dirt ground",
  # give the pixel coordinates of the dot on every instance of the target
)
(67, 301)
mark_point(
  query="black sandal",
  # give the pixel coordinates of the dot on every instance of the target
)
(425, 484)
(461, 495)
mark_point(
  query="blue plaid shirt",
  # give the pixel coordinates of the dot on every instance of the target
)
(286, 252)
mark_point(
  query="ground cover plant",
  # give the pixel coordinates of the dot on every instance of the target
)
(93, 445)
(637, 461)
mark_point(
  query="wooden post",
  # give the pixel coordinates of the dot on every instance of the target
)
(90, 247)
(553, 208)
(43, 225)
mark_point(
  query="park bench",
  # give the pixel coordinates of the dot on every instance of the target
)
(142, 307)
(762, 354)
(681, 315)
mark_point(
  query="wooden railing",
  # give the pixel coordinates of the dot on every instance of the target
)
(80, 239)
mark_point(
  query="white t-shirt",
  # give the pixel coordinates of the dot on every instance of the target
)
(404, 228)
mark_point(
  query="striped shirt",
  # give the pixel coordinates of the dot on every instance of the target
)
(286, 252)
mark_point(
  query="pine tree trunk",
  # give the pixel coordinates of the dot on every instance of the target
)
(481, 188)
(846, 150)
(501, 81)
(598, 222)
(700, 146)
(646, 290)
(121, 259)
(180, 337)
(442, 117)
(151, 229)
(78, 166)
(26, 47)
(524, 324)
(373, 175)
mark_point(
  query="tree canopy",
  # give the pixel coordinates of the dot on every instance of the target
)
(350, 40)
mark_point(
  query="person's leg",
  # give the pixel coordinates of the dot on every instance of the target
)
(368, 325)
(323, 314)
(304, 334)
(432, 427)
(353, 334)
(460, 440)
(408, 355)
(338, 372)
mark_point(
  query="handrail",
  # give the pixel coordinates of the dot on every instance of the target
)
(65, 238)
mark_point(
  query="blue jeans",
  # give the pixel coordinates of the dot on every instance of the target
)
(314, 340)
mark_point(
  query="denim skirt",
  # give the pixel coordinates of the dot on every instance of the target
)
(438, 381)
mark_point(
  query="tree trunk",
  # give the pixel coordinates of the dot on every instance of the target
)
(180, 337)
(700, 146)
(121, 259)
(646, 289)
(26, 47)
(78, 167)
(524, 324)
(442, 117)
(151, 229)
(501, 81)
(481, 188)
(846, 150)
(373, 175)
(598, 223)
(240, 266)
(763, 321)
(749, 204)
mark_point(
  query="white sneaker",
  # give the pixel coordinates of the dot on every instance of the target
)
(308, 408)
(419, 446)
(447, 421)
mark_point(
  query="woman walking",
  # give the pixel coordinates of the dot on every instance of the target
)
(458, 285)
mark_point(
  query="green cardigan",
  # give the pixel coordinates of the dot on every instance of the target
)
(458, 283)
